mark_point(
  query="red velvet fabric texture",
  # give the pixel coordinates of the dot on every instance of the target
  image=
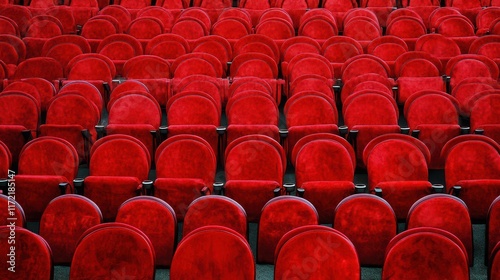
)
(366, 83)
(484, 111)
(109, 192)
(35, 192)
(12, 137)
(411, 256)
(113, 249)
(363, 64)
(401, 195)
(167, 46)
(275, 28)
(339, 52)
(307, 63)
(329, 254)
(252, 108)
(275, 221)
(256, 43)
(435, 136)
(26, 88)
(395, 160)
(438, 125)
(255, 158)
(108, 159)
(19, 109)
(189, 28)
(445, 212)
(251, 194)
(64, 220)
(318, 28)
(439, 46)
(156, 219)
(142, 132)
(370, 234)
(207, 132)
(310, 108)
(255, 65)
(194, 64)
(471, 159)
(492, 226)
(235, 131)
(466, 66)
(180, 192)
(324, 160)
(12, 45)
(49, 156)
(18, 212)
(297, 45)
(494, 263)
(213, 252)
(120, 13)
(173, 154)
(126, 109)
(145, 27)
(215, 210)
(45, 88)
(86, 89)
(33, 255)
(326, 195)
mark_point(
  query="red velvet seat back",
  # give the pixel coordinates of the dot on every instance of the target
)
(276, 220)
(275, 28)
(485, 112)
(215, 247)
(307, 63)
(192, 108)
(341, 259)
(445, 212)
(396, 160)
(492, 224)
(172, 154)
(86, 89)
(252, 107)
(370, 234)
(113, 249)
(108, 159)
(72, 108)
(370, 109)
(215, 210)
(41, 67)
(164, 15)
(409, 258)
(156, 219)
(363, 64)
(39, 156)
(120, 13)
(305, 108)
(297, 45)
(323, 159)
(126, 109)
(266, 163)
(254, 65)
(33, 255)
(16, 44)
(167, 46)
(27, 88)
(196, 63)
(64, 220)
